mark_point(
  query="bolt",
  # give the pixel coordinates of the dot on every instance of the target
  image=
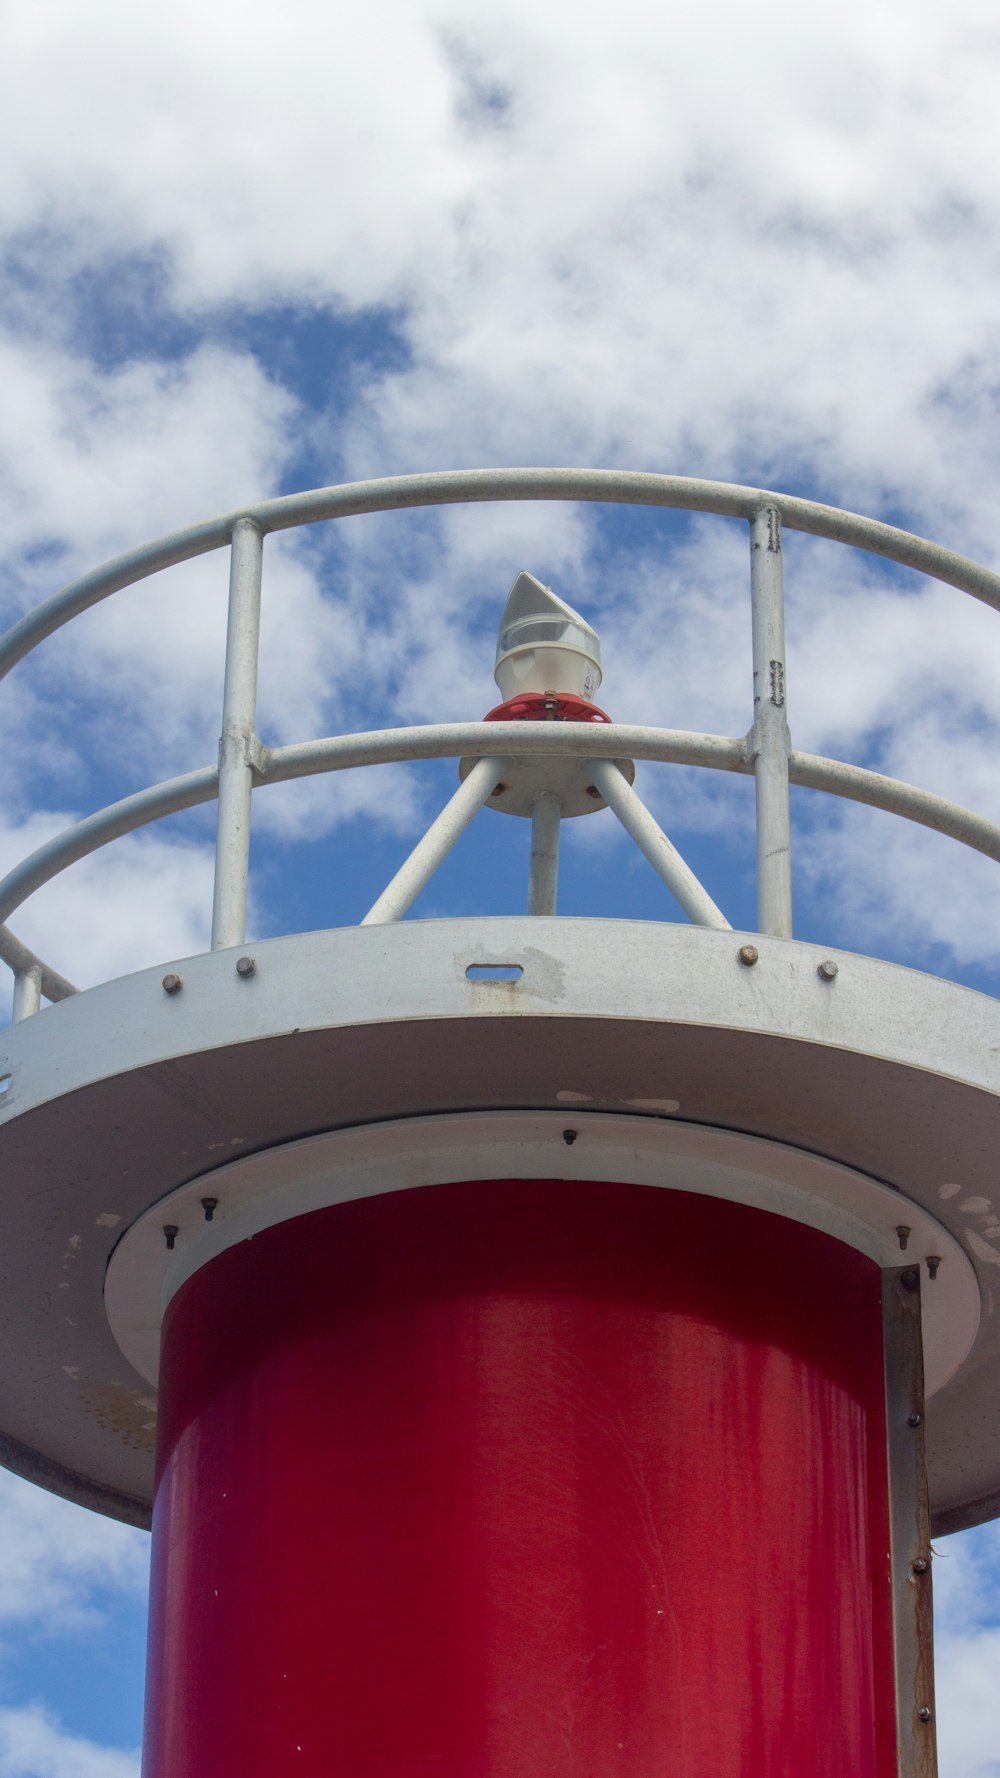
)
(903, 1232)
(914, 1419)
(593, 791)
(827, 971)
(246, 966)
(910, 1279)
(210, 1206)
(498, 789)
(171, 1232)
(921, 1565)
(925, 1713)
(933, 1262)
(569, 1137)
(172, 984)
(748, 954)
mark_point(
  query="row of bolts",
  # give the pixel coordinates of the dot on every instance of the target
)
(747, 954)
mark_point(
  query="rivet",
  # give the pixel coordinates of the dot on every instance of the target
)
(827, 971)
(925, 1713)
(172, 984)
(170, 1234)
(210, 1206)
(246, 966)
(914, 1419)
(933, 1262)
(920, 1566)
(569, 1137)
(903, 1233)
(748, 954)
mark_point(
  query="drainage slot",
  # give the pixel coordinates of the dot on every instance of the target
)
(494, 972)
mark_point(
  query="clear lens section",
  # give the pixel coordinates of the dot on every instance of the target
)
(559, 632)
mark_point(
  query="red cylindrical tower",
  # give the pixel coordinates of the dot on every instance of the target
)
(510, 1477)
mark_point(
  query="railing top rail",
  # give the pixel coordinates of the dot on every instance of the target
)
(468, 486)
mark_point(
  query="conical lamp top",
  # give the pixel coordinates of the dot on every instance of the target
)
(544, 645)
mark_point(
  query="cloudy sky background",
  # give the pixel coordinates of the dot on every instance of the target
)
(253, 248)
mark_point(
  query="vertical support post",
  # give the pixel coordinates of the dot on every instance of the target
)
(239, 708)
(769, 737)
(27, 993)
(909, 1522)
(543, 880)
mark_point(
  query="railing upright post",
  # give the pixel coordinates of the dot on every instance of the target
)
(769, 738)
(27, 993)
(239, 708)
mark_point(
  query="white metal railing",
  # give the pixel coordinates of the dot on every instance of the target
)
(246, 764)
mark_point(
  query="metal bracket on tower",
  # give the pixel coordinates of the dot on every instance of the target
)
(909, 1522)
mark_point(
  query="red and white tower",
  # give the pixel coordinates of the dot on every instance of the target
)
(558, 1336)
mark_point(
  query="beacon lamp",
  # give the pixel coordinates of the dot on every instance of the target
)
(544, 646)
(548, 667)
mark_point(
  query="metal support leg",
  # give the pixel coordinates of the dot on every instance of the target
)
(910, 1529)
(27, 994)
(769, 736)
(544, 878)
(239, 707)
(653, 843)
(436, 843)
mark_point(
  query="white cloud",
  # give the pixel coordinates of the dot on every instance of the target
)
(32, 1745)
(249, 145)
(391, 798)
(967, 1668)
(93, 463)
(967, 1581)
(96, 460)
(706, 238)
(60, 1563)
(128, 907)
(967, 1652)
(900, 891)
(63, 1571)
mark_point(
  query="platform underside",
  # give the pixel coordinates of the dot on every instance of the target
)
(124, 1093)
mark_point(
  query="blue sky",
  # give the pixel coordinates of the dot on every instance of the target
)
(253, 248)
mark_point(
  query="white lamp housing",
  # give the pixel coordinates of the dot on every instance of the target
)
(544, 645)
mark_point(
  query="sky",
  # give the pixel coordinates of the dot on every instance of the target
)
(253, 248)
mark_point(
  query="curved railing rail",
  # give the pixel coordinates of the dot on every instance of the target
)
(245, 763)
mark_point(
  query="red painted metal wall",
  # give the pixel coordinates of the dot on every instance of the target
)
(523, 1480)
